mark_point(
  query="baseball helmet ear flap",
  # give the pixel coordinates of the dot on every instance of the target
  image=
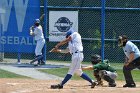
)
(95, 59)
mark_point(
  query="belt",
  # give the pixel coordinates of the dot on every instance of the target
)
(77, 52)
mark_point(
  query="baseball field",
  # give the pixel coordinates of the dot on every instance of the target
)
(73, 86)
(14, 83)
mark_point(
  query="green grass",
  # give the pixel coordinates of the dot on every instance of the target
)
(114, 64)
(6, 74)
(61, 72)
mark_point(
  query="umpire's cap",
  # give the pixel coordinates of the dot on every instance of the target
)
(69, 33)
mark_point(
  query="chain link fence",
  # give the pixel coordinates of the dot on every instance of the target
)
(122, 17)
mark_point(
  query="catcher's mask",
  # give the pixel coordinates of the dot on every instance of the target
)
(95, 59)
(37, 22)
(122, 40)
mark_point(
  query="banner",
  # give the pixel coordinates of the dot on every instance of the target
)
(60, 22)
(16, 17)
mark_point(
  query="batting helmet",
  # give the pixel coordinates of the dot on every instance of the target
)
(69, 33)
(122, 40)
(95, 58)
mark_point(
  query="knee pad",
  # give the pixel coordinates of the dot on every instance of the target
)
(79, 72)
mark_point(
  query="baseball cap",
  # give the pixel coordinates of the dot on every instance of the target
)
(37, 21)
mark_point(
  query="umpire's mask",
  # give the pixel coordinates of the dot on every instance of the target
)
(122, 40)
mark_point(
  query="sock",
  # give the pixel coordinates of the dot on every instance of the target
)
(84, 76)
(67, 77)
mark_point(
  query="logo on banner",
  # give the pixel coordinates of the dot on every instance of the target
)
(63, 24)
(7, 6)
(13, 25)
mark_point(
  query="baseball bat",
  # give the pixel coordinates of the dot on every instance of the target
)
(41, 17)
(52, 50)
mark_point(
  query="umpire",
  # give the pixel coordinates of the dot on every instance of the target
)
(132, 59)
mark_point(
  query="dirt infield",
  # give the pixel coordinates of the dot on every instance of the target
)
(73, 86)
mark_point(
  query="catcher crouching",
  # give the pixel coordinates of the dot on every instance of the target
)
(102, 70)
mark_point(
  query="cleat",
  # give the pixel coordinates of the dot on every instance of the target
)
(112, 85)
(58, 86)
(99, 83)
(93, 84)
(132, 85)
(36, 64)
(42, 63)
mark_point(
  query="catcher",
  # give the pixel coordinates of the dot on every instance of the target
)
(102, 70)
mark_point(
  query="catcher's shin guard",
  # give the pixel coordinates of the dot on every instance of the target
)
(98, 78)
(103, 75)
(110, 81)
(58, 86)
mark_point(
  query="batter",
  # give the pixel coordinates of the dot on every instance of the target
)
(75, 48)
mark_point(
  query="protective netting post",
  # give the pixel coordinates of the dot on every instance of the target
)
(102, 28)
(1, 45)
(45, 26)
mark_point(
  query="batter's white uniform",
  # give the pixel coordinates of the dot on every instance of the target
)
(76, 50)
(39, 37)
